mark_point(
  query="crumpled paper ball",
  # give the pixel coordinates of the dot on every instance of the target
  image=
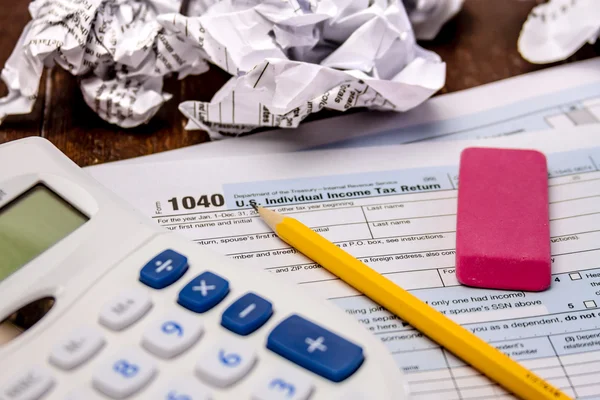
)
(555, 30)
(287, 59)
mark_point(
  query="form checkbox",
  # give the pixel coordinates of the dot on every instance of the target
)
(575, 276)
(590, 304)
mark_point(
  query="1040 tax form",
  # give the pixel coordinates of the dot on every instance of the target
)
(394, 208)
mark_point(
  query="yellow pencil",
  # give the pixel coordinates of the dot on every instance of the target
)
(485, 358)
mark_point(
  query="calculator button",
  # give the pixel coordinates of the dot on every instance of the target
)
(225, 363)
(164, 269)
(188, 388)
(124, 374)
(353, 396)
(172, 334)
(283, 384)
(204, 292)
(315, 348)
(83, 393)
(125, 309)
(79, 346)
(32, 384)
(247, 314)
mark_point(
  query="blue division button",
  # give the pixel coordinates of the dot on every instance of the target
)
(164, 269)
(247, 314)
(315, 348)
(204, 292)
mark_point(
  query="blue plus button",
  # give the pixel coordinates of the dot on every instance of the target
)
(164, 269)
(315, 348)
(204, 292)
(247, 314)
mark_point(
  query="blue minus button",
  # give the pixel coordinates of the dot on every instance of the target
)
(164, 269)
(315, 348)
(247, 314)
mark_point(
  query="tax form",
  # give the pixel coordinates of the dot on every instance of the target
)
(555, 98)
(395, 210)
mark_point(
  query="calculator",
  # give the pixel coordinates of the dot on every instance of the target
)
(132, 311)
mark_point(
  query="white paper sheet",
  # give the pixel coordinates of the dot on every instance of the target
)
(557, 29)
(407, 234)
(557, 97)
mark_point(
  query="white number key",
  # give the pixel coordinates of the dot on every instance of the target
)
(124, 374)
(283, 384)
(79, 346)
(356, 396)
(125, 309)
(30, 385)
(188, 388)
(83, 393)
(225, 363)
(172, 334)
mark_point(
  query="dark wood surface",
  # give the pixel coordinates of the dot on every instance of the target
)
(479, 46)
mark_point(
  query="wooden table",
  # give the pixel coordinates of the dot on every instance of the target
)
(479, 46)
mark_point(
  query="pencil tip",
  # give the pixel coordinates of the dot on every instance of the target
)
(255, 206)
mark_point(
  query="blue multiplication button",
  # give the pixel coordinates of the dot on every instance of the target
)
(204, 292)
(247, 314)
(164, 269)
(315, 348)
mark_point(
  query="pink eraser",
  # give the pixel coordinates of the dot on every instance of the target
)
(503, 232)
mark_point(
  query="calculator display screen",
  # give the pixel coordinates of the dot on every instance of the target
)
(32, 223)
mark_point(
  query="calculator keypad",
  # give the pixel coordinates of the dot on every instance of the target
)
(204, 292)
(218, 365)
(125, 373)
(125, 309)
(79, 346)
(225, 363)
(172, 334)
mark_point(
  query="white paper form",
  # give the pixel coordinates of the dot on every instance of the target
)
(395, 210)
(557, 97)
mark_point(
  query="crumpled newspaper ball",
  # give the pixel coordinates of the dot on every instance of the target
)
(116, 46)
(555, 30)
(287, 59)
